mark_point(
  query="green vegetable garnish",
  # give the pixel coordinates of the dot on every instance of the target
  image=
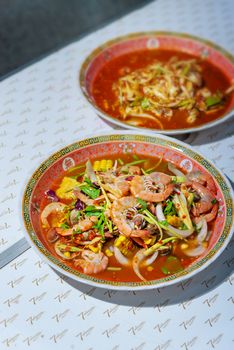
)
(170, 209)
(213, 100)
(142, 203)
(178, 179)
(214, 201)
(90, 191)
(64, 225)
(165, 270)
(172, 265)
(163, 223)
(120, 161)
(145, 103)
(135, 157)
(69, 248)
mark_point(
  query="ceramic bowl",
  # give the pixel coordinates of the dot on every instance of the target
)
(195, 46)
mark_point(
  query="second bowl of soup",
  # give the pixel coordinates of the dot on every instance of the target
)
(167, 82)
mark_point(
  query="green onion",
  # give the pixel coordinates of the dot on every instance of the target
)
(178, 179)
(142, 203)
(213, 100)
(165, 270)
(170, 208)
(140, 161)
(75, 168)
(90, 191)
(157, 245)
(64, 225)
(71, 248)
(145, 103)
(120, 161)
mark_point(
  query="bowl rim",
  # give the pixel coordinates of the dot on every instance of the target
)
(94, 53)
(56, 264)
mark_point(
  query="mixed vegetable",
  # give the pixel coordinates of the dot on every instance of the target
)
(112, 215)
(158, 90)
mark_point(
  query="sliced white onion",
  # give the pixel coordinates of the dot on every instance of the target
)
(138, 257)
(90, 172)
(195, 252)
(120, 257)
(58, 251)
(174, 171)
(203, 233)
(172, 231)
(182, 197)
(159, 212)
(95, 240)
(151, 259)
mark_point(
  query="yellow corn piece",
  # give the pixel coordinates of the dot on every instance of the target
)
(96, 165)
(102, 165)
(120, 240)
(174, 220)
(147, 241)
(65, 190)
(67, 254)
(109, 164)
(94, 249)
(124, 244)
(184, 246)
(108, 252)
(150, 268)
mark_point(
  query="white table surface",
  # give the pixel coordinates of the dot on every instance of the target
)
(41, 110)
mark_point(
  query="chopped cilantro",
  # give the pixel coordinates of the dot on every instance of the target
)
(145, 103)
(76, 231)
(90, 191)
(170, 208)
(214, 201)
(64, 225)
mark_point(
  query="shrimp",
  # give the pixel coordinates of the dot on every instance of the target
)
(155, 187)
(77, 192)
(131, 170)
(92, 262)
(210, 216)
(119, 188)
(123, 211)
(51, 208)
(203, 179)
(205, 203)
(83, 225)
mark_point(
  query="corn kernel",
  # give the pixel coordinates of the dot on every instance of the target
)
(108, 252)
(150, 268)
(103, 165)
(96, 165)
(173, 220)
(94, 249)
(184, 246)
(147, 241)
(67, 254)
(109, 164)
(119, 241)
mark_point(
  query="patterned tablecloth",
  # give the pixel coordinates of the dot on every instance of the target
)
(42, 110)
